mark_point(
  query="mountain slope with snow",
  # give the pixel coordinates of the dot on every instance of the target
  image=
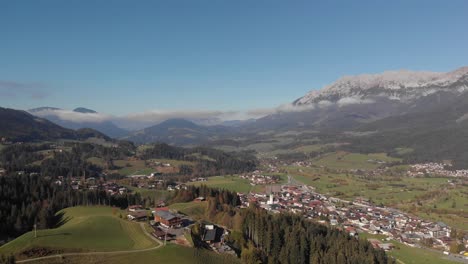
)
(402, 85)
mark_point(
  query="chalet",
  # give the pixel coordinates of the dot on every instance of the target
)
(212, 234)
(167, 219)
(137, 215)
(161, 234)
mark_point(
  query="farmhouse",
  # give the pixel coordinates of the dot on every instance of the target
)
(212, 234)
(137, 215)
(167, 218)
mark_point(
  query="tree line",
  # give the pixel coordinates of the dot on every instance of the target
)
(208, 161)
(27, 200)
(287, 238)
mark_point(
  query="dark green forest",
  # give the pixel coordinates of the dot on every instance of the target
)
(287, 238)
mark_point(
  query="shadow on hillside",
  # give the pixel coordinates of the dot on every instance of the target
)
(58, 234)
(58, 220)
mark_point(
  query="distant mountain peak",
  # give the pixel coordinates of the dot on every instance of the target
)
(177, 122)
(84, 110)
(400, 84)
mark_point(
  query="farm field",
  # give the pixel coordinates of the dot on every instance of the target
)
(133, 167)
(233, 183)
(195, 210)
(153, 193)
(85, 229)
(129, 167)
(167, 254)
(346, 160)
(411, 255)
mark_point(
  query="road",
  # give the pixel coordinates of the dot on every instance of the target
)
(100, 253)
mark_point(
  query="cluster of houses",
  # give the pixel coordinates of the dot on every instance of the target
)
(180, 186)
(91, 183)
(353, 216)
(257, 178)
(198, 179)
(436, 169)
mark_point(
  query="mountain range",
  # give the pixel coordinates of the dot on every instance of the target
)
(420, 110)
(178, 132)
(18, 125)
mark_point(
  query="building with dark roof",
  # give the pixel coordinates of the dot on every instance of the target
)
(167, 219)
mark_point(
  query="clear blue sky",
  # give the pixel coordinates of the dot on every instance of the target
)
(120, 57)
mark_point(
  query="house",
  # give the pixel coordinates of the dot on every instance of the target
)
(167, 219)
(161, 234)
(212, 234)
(134, 208)
(138, 215)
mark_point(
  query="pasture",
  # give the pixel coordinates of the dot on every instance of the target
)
(85, 229)
(232, 183)
(346, 160)
(167, 254)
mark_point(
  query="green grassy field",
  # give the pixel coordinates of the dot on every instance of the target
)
(410, 255)
(196, 210)
(129, 167)
(154, 194)
(86, 229)
(345, 160)
(232, 183)
(167, 254)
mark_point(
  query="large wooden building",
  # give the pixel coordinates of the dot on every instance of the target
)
(167, 218)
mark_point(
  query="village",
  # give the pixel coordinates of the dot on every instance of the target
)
(432, 168)
(355, 217)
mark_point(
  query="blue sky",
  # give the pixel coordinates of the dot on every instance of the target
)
(121, 57)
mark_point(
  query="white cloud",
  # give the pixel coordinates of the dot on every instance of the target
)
(135, 121)
(353, 100)
(68, 115)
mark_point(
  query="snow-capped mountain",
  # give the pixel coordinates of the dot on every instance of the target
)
(402, 85)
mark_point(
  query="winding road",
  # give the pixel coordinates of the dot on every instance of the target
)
(100, 253)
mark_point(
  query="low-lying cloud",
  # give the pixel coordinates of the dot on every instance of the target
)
(68, 115)
(135, 121)
(353, 100)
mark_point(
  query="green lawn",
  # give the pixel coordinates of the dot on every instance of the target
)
(232, 183)
(167, 254)
(154, 194)
(195, 210)
(86, 229)
(410, 255)
(235, 183)
(345, 160)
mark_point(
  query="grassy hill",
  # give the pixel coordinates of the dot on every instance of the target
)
(167, 254)
(85, 229)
